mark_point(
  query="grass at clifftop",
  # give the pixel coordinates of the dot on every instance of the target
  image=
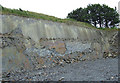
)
(29, 14)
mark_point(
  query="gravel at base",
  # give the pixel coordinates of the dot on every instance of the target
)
(98, 70)
(95, 70)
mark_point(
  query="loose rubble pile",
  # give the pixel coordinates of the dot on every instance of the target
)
(92, 70)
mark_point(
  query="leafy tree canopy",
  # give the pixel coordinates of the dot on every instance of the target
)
(96, 14)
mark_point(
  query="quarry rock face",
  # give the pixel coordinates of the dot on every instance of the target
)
(27, 44)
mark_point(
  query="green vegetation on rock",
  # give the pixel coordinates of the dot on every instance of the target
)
(29, 14)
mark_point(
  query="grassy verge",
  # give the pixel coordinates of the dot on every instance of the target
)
(29, 14)
(108, 29)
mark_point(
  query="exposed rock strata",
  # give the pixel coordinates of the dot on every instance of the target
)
(36, 47)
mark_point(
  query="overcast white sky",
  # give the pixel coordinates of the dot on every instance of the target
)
(57, 8)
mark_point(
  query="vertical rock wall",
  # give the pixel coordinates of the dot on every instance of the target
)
(27, 44)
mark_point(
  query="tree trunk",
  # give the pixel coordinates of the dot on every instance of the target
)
(100, 24)
(106, 24)
(95, 24)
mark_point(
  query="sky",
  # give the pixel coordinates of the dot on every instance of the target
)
(57, 8)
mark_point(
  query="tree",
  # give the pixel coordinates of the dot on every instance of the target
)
(111, 17)
(96, 14)
(79, 14)
(93, 13)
